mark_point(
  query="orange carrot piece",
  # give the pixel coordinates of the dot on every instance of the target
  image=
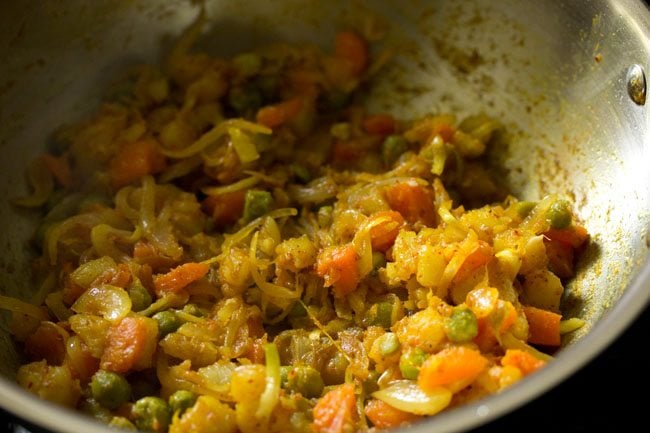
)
(353, 49)
(46, 343)
(345, 152)
(384, 416)
(560, 257)
(485, 339)
(276, 115)
(543, 326)
(451, 365)
(226, 208)
(413, 201)
(130, 344)
(524, 361)
(481, 255)
(336, 411)
(338, 266)
(135, 160)
(59, 168)
(444, 130)
(382, 235)
(180, 277)
(379, 124)
(575, 235)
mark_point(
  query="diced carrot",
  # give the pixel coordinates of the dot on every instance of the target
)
(543, 326)
(384, 416)
(353, 49)
(524, 361)
(485, 339)
(379, 124)
(560, 257)
(59, 168)
(180, 277)
(131, 343)
(444, 130)
(336, 411)
(135, 160)
(276, 115)
(338, 266)
(413, 201)
(346, 151)
(451, 365)
(575, 235)
(481, 255)
(383, 234)
(225, 208)
(46, 343)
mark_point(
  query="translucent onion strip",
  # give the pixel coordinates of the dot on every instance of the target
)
(271, 395)
(215, 134)
(17, 306)
(406, 395)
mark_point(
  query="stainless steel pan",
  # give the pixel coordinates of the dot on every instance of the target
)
(558, 74)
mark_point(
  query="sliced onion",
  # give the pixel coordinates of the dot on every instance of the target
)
(406, 395)
(108, 301)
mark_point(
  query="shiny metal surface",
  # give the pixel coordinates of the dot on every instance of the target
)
(554, 72)
(636, 84)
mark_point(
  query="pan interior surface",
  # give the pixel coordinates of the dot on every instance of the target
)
(554, 73)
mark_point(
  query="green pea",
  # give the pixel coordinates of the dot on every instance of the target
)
(168, 322)
(381, 314)
(558, 214)
(151, 414)
(305, 380)
(301, 173)
(410, 362)
(461, 326)
(111, 390)
(182, 400)
(245, 99)
(119, 422)
(334, 371)
(524, 208)
(388, 344)
(140, 297)
(256, 203)
(248, 64)
(392, 147)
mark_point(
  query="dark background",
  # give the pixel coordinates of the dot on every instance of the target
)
(609, 394)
